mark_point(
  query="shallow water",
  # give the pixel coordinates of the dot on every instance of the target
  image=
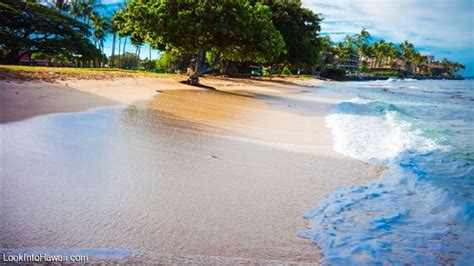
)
(421, 210)
(131, 184)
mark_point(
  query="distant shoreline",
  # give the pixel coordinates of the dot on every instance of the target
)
(362, 78)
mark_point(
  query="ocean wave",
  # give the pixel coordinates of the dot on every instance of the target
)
(421, 209)
(383, 134)
(405, 217)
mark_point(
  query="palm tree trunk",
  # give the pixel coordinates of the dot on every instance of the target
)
(103, 54)
(118, 55)
(138, 57)
(112, 63)
(123, 52)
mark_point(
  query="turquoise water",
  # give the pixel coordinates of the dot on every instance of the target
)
(421, 209)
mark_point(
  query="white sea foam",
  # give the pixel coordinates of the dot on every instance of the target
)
(373, 133)
(421, 209)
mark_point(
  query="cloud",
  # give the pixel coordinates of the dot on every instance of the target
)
(439, 26)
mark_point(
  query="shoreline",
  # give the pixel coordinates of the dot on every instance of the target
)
(259, 151)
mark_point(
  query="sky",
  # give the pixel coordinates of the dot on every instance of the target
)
(444, 28)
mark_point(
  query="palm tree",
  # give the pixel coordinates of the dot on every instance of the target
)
(362, 43)
(99, 26)
(118, 55)
(86, 8)
(62, 6)
(407, 51)
(451, 66)
(123, 52)
(393, 54)
(114, 39)
(417, 61)
(345, 49)
(380, 51)
(75, 10)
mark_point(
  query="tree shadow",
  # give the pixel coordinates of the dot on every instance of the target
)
(199, 85)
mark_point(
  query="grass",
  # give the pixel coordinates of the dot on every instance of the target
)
(19, 72)
(72, 70)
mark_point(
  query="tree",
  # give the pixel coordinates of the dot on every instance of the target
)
(380, 50)
(61, 5)
(86, 7)
(393, 54)
(407, 52)
(299, 27)
(172, 61)
(99, 26)
(114, 40)
(240, 30)
(327, 53)
(451, 66)
(129, 60)
(361, 43)
(29, 26)
(343, 50)
(76, 9)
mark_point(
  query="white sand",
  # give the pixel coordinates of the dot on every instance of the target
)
(236, 168)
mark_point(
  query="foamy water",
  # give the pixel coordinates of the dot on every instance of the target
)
(421, 209)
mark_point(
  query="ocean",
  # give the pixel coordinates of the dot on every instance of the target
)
(421, 209)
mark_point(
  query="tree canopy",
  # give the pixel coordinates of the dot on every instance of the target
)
(299, 27)
(27, 25)
(238, 30)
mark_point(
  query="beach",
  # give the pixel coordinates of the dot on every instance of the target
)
(161, 172)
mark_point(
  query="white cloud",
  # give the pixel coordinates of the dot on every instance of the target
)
(439, 24)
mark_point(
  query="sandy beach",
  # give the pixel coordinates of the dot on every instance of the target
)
(184, 174)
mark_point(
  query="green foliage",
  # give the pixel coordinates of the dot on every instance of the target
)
(286, 72)
(326, 54)
(451, 66)
(127, 60)
(166, 63)
(386, 74)
(148, 65)
(239, 30)
(266, 72)
(27, 25)
(362, 44)
(299, 27)
(172, 61)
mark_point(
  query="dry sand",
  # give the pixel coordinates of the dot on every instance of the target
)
(259, 155)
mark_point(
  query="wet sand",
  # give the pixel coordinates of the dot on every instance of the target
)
(188, 175)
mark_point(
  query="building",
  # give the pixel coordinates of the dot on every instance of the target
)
(384, 65)
(351, 64)
(436, 70)
(427, 59)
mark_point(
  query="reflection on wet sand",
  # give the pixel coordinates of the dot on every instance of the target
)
(149, 179)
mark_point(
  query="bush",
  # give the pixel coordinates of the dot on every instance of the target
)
(386, 74)
(171, 62)
(148, 65)
(127, 61)
(266, 72)
(286, 72)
